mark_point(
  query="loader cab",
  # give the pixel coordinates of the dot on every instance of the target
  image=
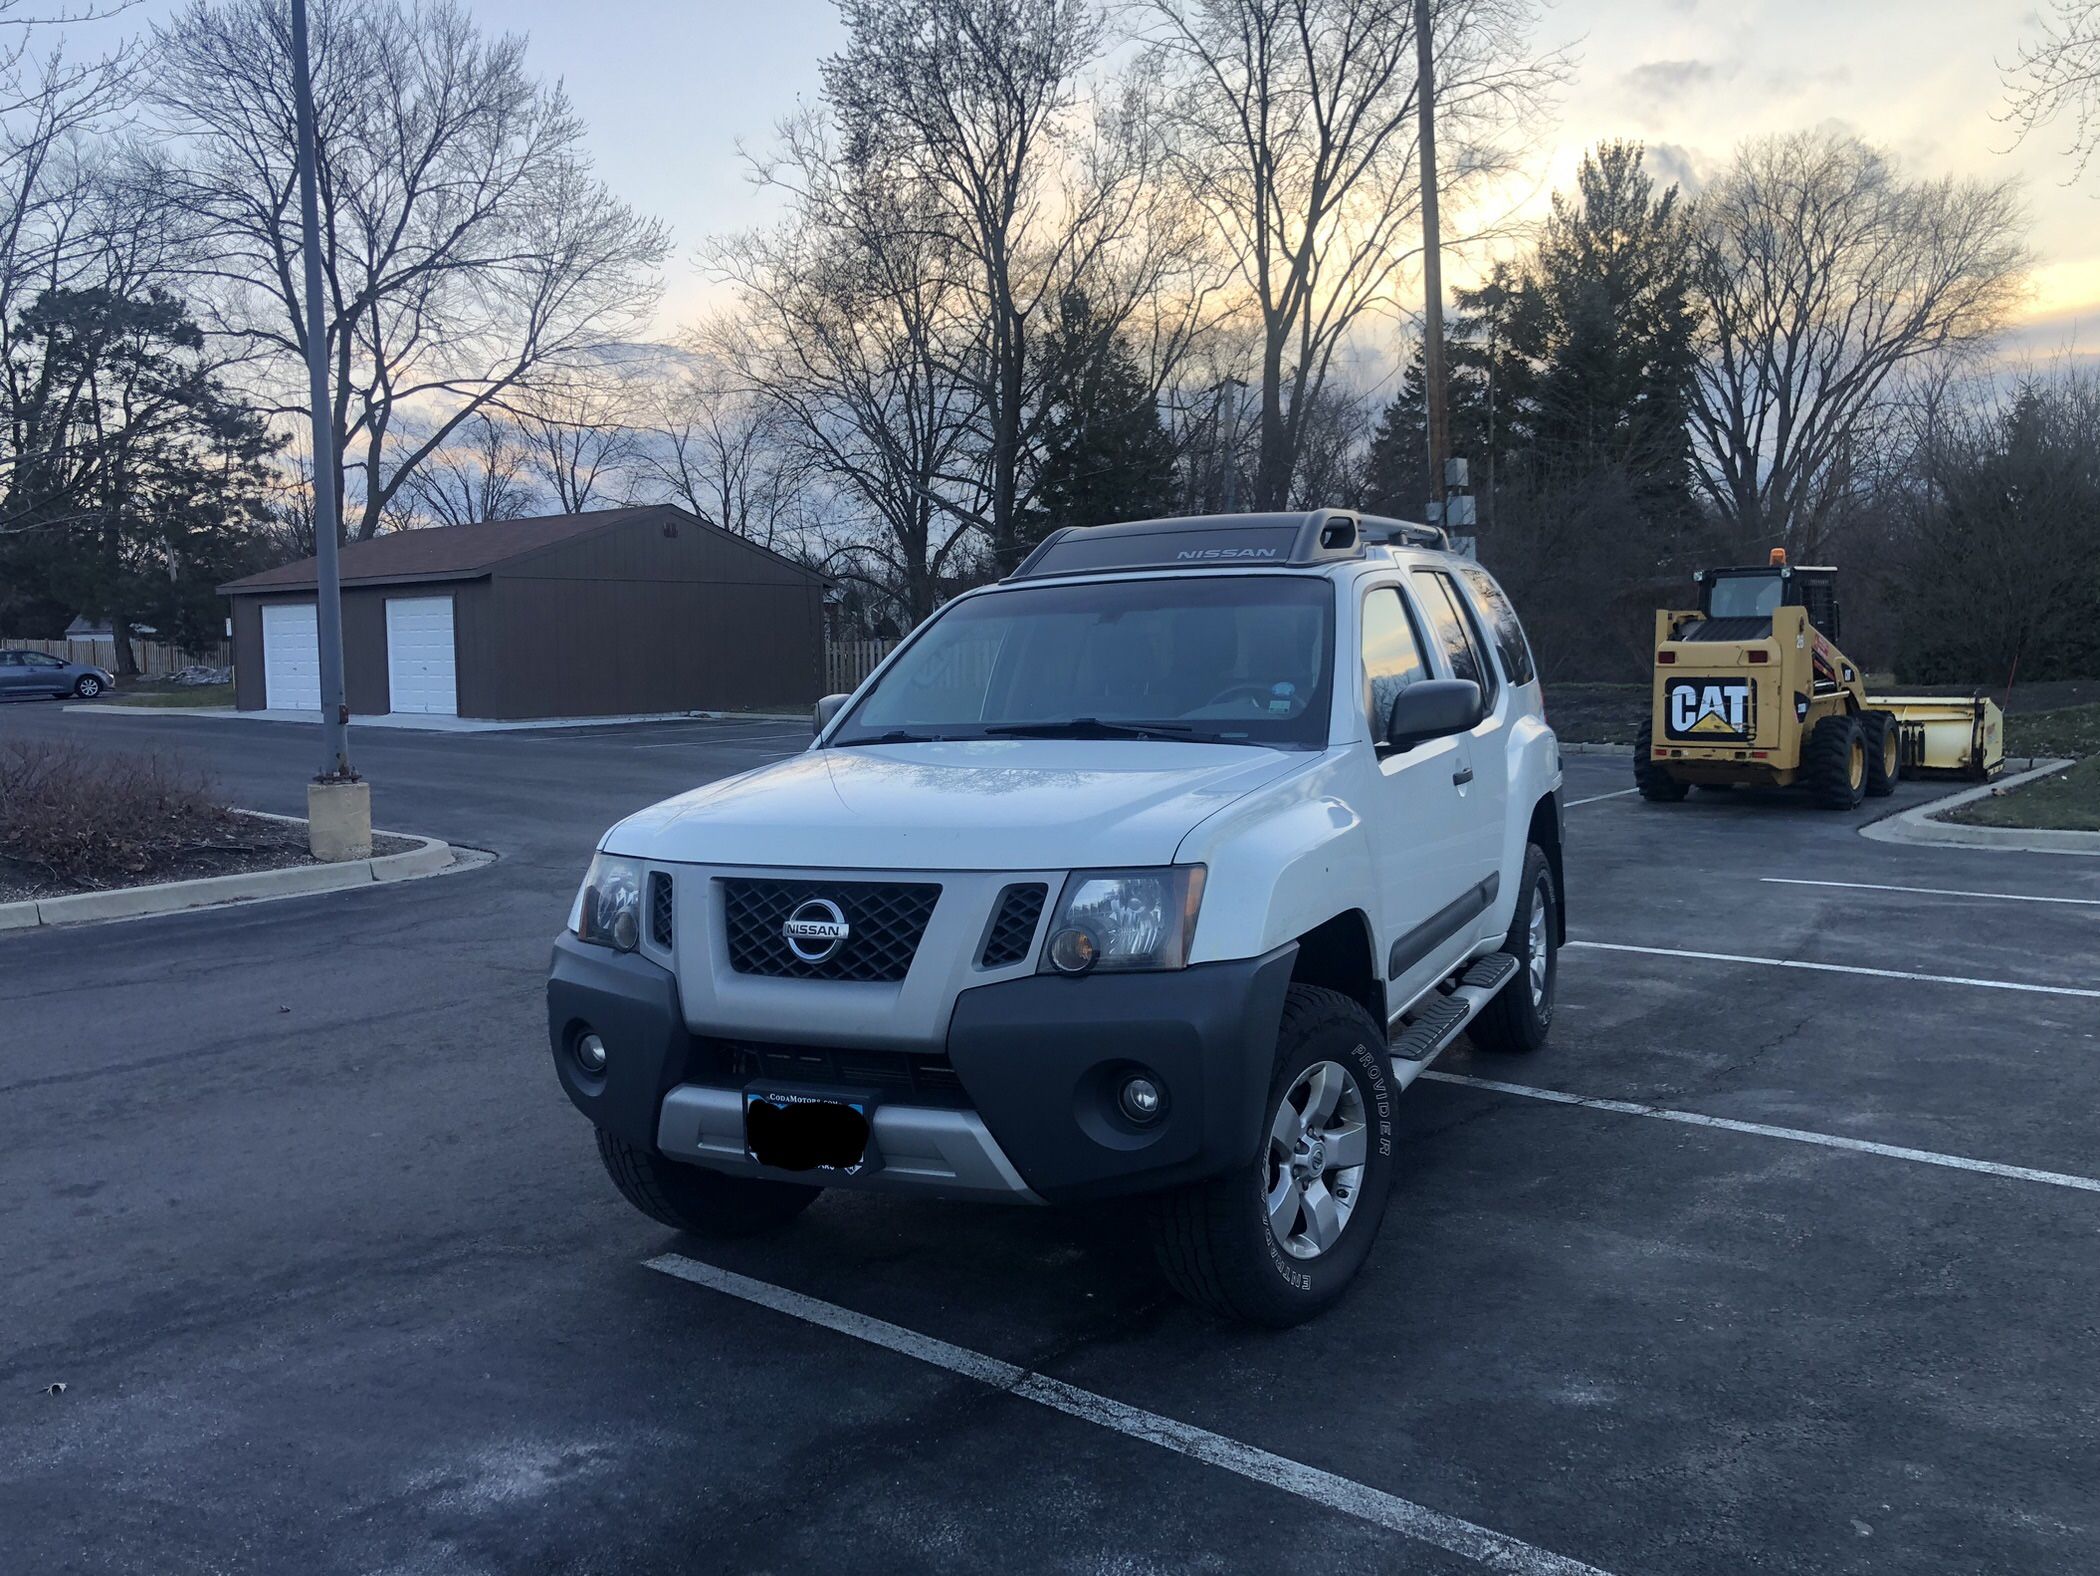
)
(1737, 604)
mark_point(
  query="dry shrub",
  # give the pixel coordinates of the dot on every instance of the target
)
(90, 819)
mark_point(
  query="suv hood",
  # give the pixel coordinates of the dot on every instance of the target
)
(999, 804)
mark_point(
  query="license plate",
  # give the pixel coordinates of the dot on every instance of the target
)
(799, 1132)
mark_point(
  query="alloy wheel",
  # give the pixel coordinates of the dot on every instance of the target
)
(1535, 941)
(1318, 1143)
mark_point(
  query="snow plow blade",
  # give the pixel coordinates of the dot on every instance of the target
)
(1948, 735)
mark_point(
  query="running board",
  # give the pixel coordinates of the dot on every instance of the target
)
(1444, 1017)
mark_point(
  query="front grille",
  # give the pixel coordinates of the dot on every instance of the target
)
(913, 1077)
(1013, 931)
(660, 908)
(884, 919)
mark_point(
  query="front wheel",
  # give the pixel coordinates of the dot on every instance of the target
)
(1834, 763)
(1279, 1239)
(88, 687)
(705, 1203)
(1884, 742)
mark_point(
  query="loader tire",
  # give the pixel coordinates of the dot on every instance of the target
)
(1834, 763)
(1884, 752)
(1655, 782)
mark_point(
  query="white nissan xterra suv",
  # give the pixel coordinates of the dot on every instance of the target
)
(1161, 867)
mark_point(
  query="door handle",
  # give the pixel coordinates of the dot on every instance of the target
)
(1462, 776)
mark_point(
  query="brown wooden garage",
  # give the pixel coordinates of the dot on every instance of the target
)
(610, 612)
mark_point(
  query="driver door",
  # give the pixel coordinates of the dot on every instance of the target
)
(1418, 830)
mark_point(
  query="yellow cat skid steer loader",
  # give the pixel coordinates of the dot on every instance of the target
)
(1750, 687)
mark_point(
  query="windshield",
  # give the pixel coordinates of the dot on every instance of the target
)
(1216, 659)
(1744, 596)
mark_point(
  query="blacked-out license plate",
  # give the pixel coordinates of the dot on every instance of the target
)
(798, 1132)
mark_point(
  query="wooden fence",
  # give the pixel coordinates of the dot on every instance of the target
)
(847, 662)
(155, 660)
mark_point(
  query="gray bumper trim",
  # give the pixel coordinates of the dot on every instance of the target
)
(923, 1149)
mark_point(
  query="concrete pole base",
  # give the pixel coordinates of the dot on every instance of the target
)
(339, 820)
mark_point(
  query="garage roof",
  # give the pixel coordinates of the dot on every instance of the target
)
(447, 552)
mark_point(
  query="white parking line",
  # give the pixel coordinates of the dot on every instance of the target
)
(1596, 798)
(1875, 886)
(1492, 1549)
(1843, 968)
(1763, 1130)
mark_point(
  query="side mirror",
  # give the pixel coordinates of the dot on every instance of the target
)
(828, 708)
(1431, 709)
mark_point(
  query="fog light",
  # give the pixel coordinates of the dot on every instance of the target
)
(590, 1053)
(1141, 1099)
(1072, 951)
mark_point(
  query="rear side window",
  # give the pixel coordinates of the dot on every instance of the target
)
(1502, 624)
(1392, 655)
(1453, 631)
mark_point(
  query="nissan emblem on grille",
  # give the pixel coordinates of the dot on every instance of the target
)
(816, 930)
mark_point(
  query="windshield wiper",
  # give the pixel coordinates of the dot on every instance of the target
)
(1091, 728)
(897, 736)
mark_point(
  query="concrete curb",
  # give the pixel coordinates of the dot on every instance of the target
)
(402, 723)
(1596, 749)
(428, 857)
(1921, 824)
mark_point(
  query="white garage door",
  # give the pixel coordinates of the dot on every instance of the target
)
(291, 657)
(420, 668)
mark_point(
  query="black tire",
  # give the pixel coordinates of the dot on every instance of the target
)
(1884, 741)
(1834, 763)
(1656, 784)
(1516, 1020)
(705, 1203)
(88, 687)
(1214, 1241)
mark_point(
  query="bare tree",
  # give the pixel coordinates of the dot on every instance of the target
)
(577, 435)
(468, 251)
(1823, 274)
(853, 314)
(722, 452)
(977, 104)
(1294, 126)
(479, 475)
(2057, 73)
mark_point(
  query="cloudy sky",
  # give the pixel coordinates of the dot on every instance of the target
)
(670, 87)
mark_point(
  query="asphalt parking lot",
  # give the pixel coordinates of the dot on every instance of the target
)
(291, 1205)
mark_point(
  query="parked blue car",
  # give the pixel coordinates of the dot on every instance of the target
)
(31, 673)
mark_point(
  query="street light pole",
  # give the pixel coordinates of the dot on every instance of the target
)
(1432, 262)
(338, 801)
(328, 613)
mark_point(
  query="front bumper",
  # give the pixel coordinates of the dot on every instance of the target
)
(1041, 1061)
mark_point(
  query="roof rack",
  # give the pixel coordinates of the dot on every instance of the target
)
(1221, 541)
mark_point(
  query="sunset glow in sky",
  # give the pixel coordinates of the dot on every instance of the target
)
(669, 87)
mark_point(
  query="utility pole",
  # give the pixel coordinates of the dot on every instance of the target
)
(338, 802)
(1226, 460)
(1432, 264)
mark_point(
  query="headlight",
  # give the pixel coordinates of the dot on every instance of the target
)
(608, 910)
(1125, 919)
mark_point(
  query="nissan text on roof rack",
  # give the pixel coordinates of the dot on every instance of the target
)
(1161, 868)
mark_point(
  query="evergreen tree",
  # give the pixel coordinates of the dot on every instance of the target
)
(136, 487)
(1610, 333)
(1487, 389)
(1577, 364)
(1105, 455)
